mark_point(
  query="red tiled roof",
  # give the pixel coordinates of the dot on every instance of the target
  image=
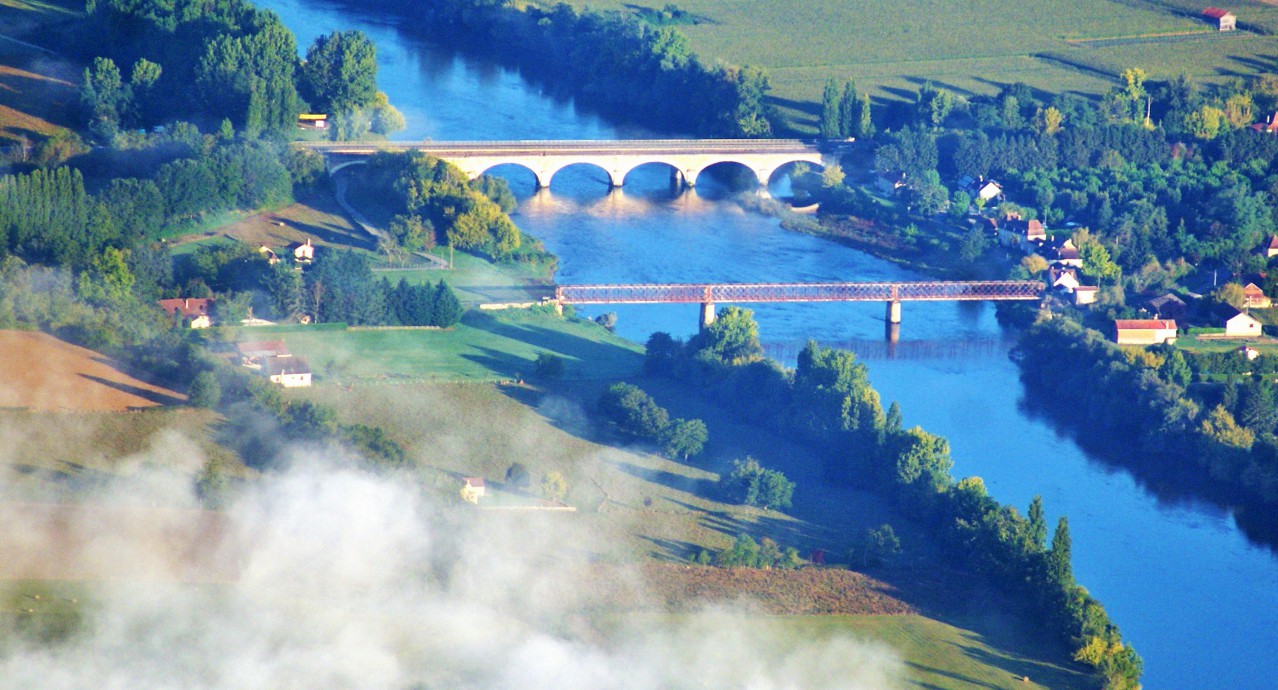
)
(1215, 12)
(259, 348)
(1145, 324)
(476, 482)
(187, 306)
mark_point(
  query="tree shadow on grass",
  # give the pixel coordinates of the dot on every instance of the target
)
(1038, 672)
(701, 488)
(675, 550)
(573, 347)
(949, 674)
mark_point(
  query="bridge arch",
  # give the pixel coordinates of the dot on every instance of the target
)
(536, 178)
(676, 171)
(333, 170)
(615, 175)
(788, 167)
(744, 169)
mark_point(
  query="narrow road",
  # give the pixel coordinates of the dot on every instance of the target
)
(339, 182)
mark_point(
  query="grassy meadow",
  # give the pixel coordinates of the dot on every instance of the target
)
(890, 49)
(485, 346)
(38, 88)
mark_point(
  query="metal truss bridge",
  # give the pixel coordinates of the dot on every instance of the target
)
(893, 293)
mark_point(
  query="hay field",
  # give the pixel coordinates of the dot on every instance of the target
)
(41, 373)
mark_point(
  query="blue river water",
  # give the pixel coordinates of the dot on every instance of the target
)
(1196, 598)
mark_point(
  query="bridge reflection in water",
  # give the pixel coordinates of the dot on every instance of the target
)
(891, 348)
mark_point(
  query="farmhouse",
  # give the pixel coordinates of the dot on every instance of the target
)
(1144, 331)
(889, 183)
(1269, 126)
(1085, 294)
(254, 353)
(304, 253)
(472, 489)
(1223, 19)
(1254, 297)
(981, 188)
(1023, 234)
(195, 311)
(1270, 249)
(1242, 325)
(288, 371)
(1168, 306)
(1063, 276)
(1061, 252)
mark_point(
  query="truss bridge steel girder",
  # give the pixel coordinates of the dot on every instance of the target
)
(891, 292)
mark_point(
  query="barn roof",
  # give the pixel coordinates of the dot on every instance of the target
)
(1145, 324)
(1216, 13)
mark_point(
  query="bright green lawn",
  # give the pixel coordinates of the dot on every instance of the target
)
(934, 655)
(1192, 343)
(486, 346)
(477, 280)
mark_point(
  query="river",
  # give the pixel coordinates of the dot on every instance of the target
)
(1196, 598)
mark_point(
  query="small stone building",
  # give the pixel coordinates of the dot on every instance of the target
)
(1224, 20)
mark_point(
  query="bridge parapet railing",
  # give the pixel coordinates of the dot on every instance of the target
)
(800, 292)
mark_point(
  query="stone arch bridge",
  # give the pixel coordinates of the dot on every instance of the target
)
(686, 158)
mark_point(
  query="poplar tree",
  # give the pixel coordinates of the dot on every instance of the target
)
(1037, 523)
(831, 119)
(1059, 569)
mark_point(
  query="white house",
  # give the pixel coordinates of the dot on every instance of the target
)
(989, 189)
(1085, 294)
(193, 311)
(472, 489)
(304, 253)
(1242, 325)
(289, 372)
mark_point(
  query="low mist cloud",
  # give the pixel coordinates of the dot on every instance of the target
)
(324, 577)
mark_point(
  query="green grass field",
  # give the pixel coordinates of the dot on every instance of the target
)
(485, 346)
(934, 654)
(890, 49)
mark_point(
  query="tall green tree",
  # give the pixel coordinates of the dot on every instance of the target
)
(1060, 569)
(830, 111)
(733, 338)
(340, 72)
(1037, 523)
